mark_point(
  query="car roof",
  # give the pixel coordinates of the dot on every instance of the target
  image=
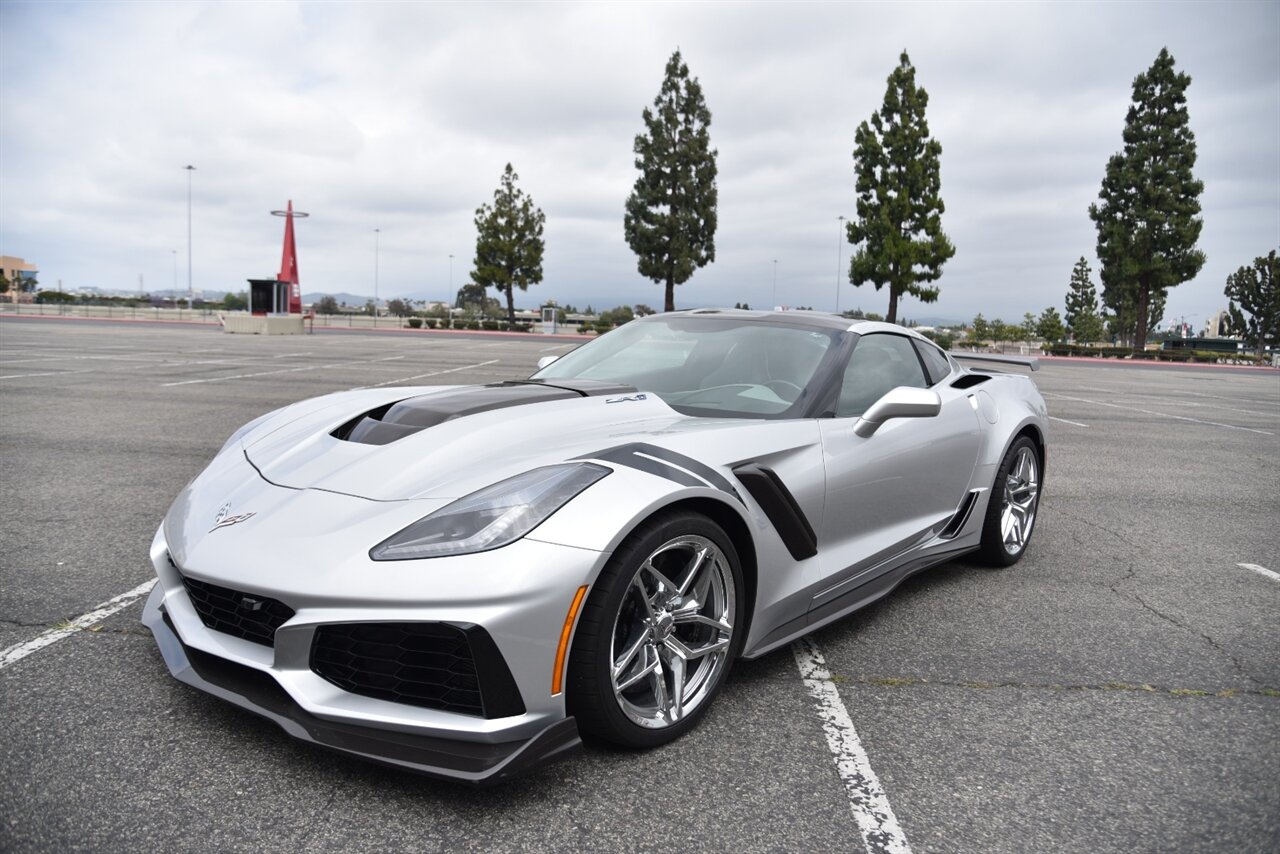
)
(806, 318)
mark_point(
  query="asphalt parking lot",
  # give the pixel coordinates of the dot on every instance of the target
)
(1118, 690)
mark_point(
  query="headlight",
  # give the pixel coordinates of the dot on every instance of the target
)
(244, 431)
(493, 517)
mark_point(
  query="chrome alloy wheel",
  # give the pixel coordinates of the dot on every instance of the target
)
(673, 632)
(1021, 492)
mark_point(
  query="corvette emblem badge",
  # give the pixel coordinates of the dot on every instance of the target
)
(225, 520)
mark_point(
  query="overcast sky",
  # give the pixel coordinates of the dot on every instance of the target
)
(401, 116)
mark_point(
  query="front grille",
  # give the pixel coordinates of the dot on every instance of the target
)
(432, 665)
(243, 615)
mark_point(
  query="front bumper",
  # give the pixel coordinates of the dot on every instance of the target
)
(479, 763)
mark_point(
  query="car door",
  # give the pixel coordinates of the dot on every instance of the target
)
(890, 491)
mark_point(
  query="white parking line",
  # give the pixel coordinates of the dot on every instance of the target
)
(283, 371)
(871, 810)
(1153, 412)
(431, 374)
(48, 374)
(16, 653)
(1261, 570)
(1065, 421)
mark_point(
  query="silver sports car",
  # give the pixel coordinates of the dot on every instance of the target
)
(459, 580)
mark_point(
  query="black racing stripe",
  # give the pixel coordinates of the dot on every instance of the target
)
(622, 457)
(660, 461)
(781, 507)
(702, 470)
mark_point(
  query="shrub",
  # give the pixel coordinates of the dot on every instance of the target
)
(490, 325)
(415, 322)
(521, 327)
(472, 325)
(1152, 355)
(430, 322)
(585, 329)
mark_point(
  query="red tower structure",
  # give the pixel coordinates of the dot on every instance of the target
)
(289, 260)
(283, 294)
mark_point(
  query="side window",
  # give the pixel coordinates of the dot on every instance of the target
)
(935, 360)
(880, 362)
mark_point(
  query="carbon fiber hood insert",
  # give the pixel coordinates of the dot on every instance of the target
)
(393, 421)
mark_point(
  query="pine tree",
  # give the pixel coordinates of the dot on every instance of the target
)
(1082, 305)
(670, 220)
(898, 228)
(509, 243)
(981, 329)
(1147, 214)
(1030, 326)
(1257, 289)
(1049, 326)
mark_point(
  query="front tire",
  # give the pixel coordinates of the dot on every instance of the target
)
(658, 634)
(1011, 511)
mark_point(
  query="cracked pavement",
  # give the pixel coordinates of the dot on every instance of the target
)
(1117, 690)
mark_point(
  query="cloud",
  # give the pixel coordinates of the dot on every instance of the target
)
(401, 117)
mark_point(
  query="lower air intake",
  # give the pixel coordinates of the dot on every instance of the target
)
(453, 668)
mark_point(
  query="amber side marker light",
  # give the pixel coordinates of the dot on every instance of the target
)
(557, 678)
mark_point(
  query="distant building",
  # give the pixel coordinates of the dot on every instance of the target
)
(21, 275)
(1218, 326)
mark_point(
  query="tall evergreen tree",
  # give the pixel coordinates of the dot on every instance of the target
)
(509, 243)
(1147, 214)
(1257, 289)
(1082, 305)
(1049, 326)
(898, 229)
(670, 220)
(1030, 326)
(981, 329)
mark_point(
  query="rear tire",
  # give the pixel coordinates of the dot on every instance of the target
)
(658, 634)
(1011, 511)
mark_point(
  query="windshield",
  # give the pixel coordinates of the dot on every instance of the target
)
(706, 365)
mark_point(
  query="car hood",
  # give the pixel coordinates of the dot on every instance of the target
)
(306, 448)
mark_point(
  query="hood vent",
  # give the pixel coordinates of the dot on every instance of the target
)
(393, 421)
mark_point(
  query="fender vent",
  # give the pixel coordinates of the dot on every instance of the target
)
(785, 514)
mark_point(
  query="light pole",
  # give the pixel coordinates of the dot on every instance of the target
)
(450, 276)
(190, 287)
(376, 249)
(839, 259)
(775, 283)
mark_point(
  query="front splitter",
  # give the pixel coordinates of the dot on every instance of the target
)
(463, 761)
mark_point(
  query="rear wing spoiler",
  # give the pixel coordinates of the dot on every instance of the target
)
(1031, 362)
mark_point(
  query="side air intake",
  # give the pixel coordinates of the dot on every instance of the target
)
(961, 517)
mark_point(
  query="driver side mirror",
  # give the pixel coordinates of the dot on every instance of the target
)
(546, 360)
(900, 402)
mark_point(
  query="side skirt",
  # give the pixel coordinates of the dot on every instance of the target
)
(859, 597)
